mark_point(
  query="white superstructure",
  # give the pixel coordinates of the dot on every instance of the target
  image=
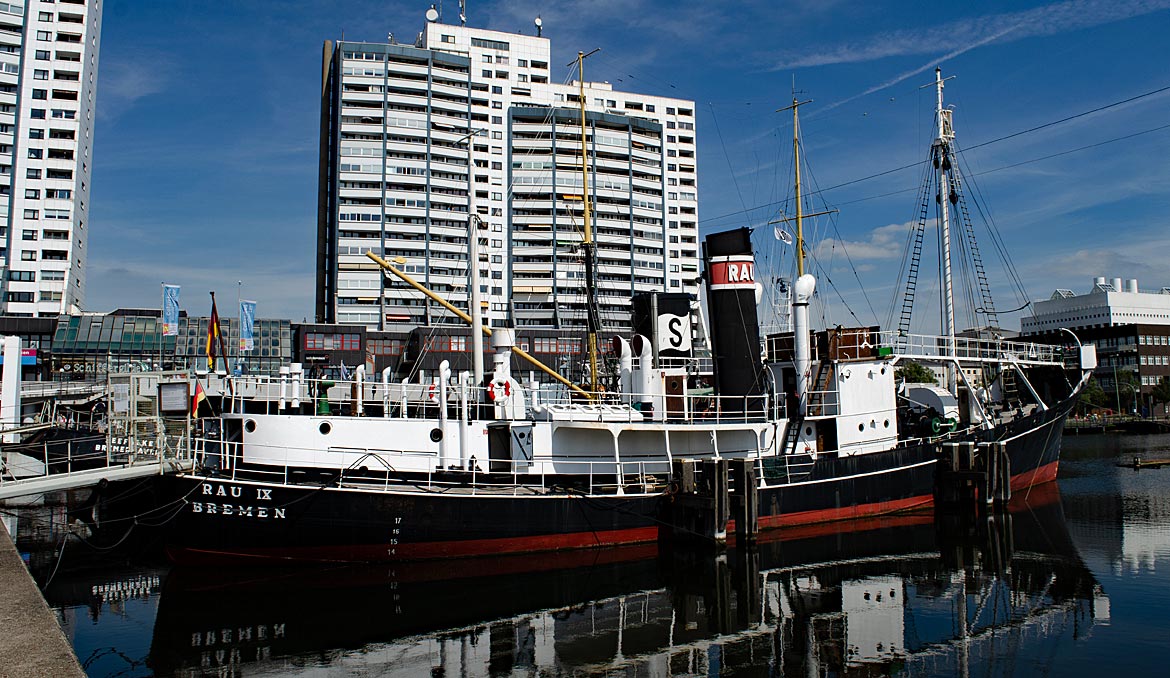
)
(397, 122)
(48, 85)
(1107, 303)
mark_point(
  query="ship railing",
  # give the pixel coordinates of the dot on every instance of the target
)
(415, 400)
(822, 404)
(382, 470)
(982, 349)
(47, 457)
(683, 408)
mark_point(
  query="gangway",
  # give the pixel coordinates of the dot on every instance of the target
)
(147, 432)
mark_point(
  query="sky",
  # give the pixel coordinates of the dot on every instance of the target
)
(205, 167)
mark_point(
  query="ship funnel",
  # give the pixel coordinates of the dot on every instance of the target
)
(1117, 284)
(1131, 285)
(735, 328)
(1099, 280)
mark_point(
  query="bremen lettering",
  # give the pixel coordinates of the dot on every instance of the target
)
(237, 509)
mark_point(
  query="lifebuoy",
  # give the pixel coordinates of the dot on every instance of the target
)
(432, 394)
(505, 388)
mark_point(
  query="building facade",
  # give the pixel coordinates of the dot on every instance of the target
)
(418, 139)
(48, 86)
(1129, 327)
(1107, 303)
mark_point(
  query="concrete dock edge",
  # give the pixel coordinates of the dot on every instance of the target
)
(31, 640)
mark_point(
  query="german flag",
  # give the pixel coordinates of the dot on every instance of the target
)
(213, 336)
(197, 399)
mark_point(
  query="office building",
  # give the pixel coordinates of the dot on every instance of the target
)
(48, 81)
(416, 139)
(1129, 327)
(1107, 303)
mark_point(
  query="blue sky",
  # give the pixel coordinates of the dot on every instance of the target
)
(205, 163)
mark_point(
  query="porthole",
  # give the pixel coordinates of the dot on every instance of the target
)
(250, 425)
(436, 435)
(861, 427)
(808, 431)
(325, 428)
(883, 369)
(887, 423)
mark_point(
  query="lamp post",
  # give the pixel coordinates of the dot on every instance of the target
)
(1116, 386)
(1117, 390)
(1134, 389)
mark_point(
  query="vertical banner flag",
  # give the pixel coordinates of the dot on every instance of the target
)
(247, 324)
(213, 336)
(170, 319)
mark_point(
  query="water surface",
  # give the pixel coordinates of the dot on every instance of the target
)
(1072, 582)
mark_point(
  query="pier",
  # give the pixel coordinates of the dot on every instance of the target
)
(32, 643)
(142, 439)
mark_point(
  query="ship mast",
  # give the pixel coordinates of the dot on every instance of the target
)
(799, 218)
(942, 162)
(587, 245)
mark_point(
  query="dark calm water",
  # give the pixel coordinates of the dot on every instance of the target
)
(1074, 581)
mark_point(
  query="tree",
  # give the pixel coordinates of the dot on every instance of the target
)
(1129, 389)
(1161, 392)
(914, 373)
(1093, 396)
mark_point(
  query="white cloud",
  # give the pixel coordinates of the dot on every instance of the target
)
(123, 83)
(971, 32)
(884, 242)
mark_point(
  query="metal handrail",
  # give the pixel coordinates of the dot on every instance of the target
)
(600, 473)
(989, 349)
(423, 397)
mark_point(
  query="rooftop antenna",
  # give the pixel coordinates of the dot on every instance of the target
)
(432, 14)
(390, 38)
(462, 12)
(539, 25)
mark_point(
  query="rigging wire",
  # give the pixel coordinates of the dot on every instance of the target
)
(997, 238)
(1018, 164)
(839, 240)
(730, 169)
(979, 145)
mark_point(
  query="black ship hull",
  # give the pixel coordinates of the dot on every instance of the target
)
(250, 519)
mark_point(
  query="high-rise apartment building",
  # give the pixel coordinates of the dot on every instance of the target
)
(417, 138)
(48, 87)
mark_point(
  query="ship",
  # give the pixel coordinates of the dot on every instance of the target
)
(792, 429)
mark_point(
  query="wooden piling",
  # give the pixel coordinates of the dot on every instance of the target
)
(745, 500)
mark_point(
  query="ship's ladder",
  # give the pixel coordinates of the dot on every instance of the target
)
(820, 387)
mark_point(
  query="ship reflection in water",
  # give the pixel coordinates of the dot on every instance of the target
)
(910, 594)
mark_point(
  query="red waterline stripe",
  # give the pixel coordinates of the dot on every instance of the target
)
(846, 512)
(1037, 476)
(425, 550)
(811, 531)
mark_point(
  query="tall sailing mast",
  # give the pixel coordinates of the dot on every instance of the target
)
(941, 150)
(943, 184)
(799, 218)
(588, 248)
